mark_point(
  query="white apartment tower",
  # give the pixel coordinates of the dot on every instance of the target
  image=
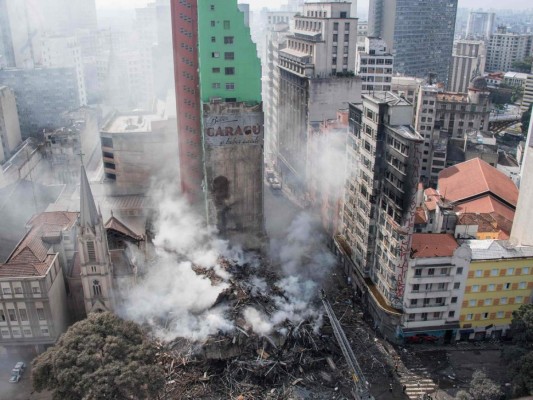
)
(468, 61)
(480, 25)
(374, 65)
(65, 52)
(505, 48)
(316, 78)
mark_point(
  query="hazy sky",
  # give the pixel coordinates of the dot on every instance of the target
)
(516, 4)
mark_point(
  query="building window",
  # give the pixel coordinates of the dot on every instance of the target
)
(412, 317)
(335, 38)
(97, 289)
(485, 315)
(503, 300)
(431, 271)
(475, 288)
(459, 270)
(442, 286)
(212, 7)
(418, 272)
(413, 302)
(215, 54)
(216, 70)
(2, 315)
(469, 317)
(45, 332)
(12, 314)
(226, 24)
(213, 39)
(36, 290)
(230, 86)
(27, 332)
(91, 253)
(346, 26)
(23, 314)
(213, 23)
(439, 300)
(507, 286)
(519, 299)
(499, 314)
(488, 302)
(40, 314)
(424, 316)
(525, 271)
(521, 285)
(426, 301)
(228, 39)
(451, 314)
(436, 315)
(335, 26)
(494, 272)
(6, 291)
(456, 285)
(416, 287)
(453, 300)
(229, 55)
(510, 271)
(229, 71)
(18, 290)
(216, 85)
(491, 287)
(479, 273)
(472, 303)
(443, 271)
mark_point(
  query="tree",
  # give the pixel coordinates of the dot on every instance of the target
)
(522, 65)
(526, 116)
(483, 388)
(101, 357)
(523, 376)
(522, 323)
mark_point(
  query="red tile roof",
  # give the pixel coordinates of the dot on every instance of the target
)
(420, 216)
(431, 199)
(473, 178)
(425, 245)
(486, 205)
(31, 257)
(119, 226)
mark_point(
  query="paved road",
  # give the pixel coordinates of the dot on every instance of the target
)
(22, 390)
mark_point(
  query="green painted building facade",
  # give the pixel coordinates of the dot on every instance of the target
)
(229, 66)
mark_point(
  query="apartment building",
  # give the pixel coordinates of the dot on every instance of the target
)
(316, 79)
(505, 48)
(499, 281)
(383, 155)
(374, 65)
(468, 61)
(438, 268)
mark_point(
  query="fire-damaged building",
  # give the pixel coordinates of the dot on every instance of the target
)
(223, 123)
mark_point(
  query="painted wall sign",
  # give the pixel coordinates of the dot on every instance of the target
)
(234, 129)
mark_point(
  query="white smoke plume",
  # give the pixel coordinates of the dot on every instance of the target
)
(171, 297)
(304, 263)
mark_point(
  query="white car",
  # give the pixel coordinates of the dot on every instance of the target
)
(14, 378)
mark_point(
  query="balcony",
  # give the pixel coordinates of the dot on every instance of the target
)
(425, 308)
(431, 279)
(422, 294)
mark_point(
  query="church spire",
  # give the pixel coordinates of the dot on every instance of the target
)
(88, 214)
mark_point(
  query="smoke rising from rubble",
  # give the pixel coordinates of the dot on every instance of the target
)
(304, 263)
(172, 298)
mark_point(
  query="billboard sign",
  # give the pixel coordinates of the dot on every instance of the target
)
(234, 129)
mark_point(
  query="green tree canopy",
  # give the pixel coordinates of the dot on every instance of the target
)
(483, 388)
(522, 65)
(101, 357)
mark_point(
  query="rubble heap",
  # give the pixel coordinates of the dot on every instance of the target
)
(296, 361)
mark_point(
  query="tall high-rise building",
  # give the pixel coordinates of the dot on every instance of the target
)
(16, 45)
(383, 153)
(10, 136)
(374, 65)
(316, 79)
(480, 25)
(419, 34)
(468, 61)
(505, 48)
(220, 114)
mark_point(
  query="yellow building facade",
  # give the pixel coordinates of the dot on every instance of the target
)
(500, 280)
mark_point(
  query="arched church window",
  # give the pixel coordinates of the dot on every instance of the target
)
(91, 252)
(97, 288)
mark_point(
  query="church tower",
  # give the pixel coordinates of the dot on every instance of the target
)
(96, 268)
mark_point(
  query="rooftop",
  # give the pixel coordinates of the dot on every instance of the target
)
(475, 178)
(426, 245)
(387, 97)
(485, 205)
(497, 249)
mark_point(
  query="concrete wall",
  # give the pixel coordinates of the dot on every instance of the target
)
(327, 95)
(9, 123)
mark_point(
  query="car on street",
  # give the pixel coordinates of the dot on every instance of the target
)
(14, 378)
(20, 366)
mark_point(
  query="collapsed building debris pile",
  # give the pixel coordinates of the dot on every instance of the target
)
(295, 360)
